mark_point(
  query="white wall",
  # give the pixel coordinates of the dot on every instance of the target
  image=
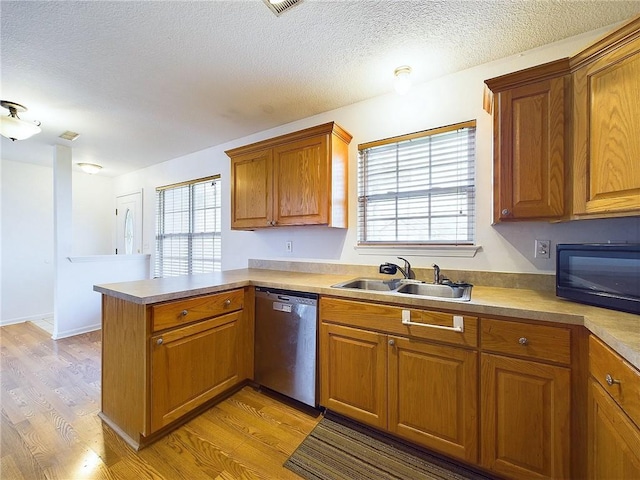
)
(27, 242)
(27, 235)
(451, 99)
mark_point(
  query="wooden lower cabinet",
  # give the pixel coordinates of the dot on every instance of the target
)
(162, 362)
(191, 365)
(421, 392)
(353, 373)
(525, 421)
(614, 440)
(614, 415)
(433, 396)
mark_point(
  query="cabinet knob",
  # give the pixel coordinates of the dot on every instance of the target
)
(523, 341)
(184, 313)
(392, 342)
(227, 302)
(610, 380)
(505, 211)
(159, 341)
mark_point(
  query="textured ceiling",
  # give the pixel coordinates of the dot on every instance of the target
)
(144, 82)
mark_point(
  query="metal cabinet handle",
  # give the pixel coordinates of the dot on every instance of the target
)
(159, 341)
(458, 323)
(184, 313)
(227, 302)
(392, 342)
(505, 211)
(610, 380)
(523, 341)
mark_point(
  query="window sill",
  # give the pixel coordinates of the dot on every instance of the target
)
(464, 251)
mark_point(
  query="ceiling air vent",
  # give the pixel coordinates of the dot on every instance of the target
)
(279, 7)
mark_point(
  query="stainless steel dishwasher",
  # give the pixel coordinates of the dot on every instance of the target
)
(285, 343)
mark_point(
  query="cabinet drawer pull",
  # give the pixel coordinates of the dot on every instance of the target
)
(227, 302)
(610, 380)
(159, 341)
(392, 342)
(458, 323)
(184, 313)
(505, 211)
(523, 341)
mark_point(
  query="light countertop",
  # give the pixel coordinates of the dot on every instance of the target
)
(621, 331)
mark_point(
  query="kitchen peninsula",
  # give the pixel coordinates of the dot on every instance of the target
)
(172, 347)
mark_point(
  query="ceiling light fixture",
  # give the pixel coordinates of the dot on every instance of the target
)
(13, 126)
(90, 168)
(402, 80)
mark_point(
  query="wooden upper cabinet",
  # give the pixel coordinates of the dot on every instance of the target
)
(251, 193)
(529, 142)
(295, 179)
(606, 112)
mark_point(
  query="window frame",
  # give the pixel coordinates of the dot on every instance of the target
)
(448, 247)
(160, 269)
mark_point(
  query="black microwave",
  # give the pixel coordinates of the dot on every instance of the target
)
(605, 275)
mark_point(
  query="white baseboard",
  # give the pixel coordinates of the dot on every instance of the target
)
(77, 331)
(32, 318)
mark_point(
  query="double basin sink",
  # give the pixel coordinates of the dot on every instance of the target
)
(401, 286)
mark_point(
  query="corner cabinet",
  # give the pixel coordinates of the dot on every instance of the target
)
(606, 116)
(294, 179)
(530, 154)
(164, 362)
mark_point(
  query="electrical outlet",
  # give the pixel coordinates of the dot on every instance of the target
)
(289, 246)
(543, 249)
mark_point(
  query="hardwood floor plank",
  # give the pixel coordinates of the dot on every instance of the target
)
(50, 397)
(13, 446)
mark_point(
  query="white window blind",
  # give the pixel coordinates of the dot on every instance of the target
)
(418, 189)
(188, 228)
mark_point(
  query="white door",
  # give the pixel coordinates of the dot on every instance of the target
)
(129, 224)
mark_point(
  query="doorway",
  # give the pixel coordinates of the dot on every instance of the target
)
(129, 224)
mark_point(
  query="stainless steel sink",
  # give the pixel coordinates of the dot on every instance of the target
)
(433, 290)
(371, 284)
(402, 286)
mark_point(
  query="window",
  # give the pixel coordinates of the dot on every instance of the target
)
(418, 189)
(188, 238)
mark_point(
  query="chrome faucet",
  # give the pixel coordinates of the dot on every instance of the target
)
(407, 268)
(437, 279)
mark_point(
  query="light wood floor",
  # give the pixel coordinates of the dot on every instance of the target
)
(50, 395)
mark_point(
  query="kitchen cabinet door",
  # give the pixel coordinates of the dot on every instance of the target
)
(193, 364)
(530, 124)
(301, 182)
(433, 396)
(525, 420)
(606, 112)
(353, 373)
(251, 190)
(614, 440)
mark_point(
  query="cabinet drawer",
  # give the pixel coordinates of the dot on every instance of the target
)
(425, 324)
(526, 340)
(168, 315)
(624, 380)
